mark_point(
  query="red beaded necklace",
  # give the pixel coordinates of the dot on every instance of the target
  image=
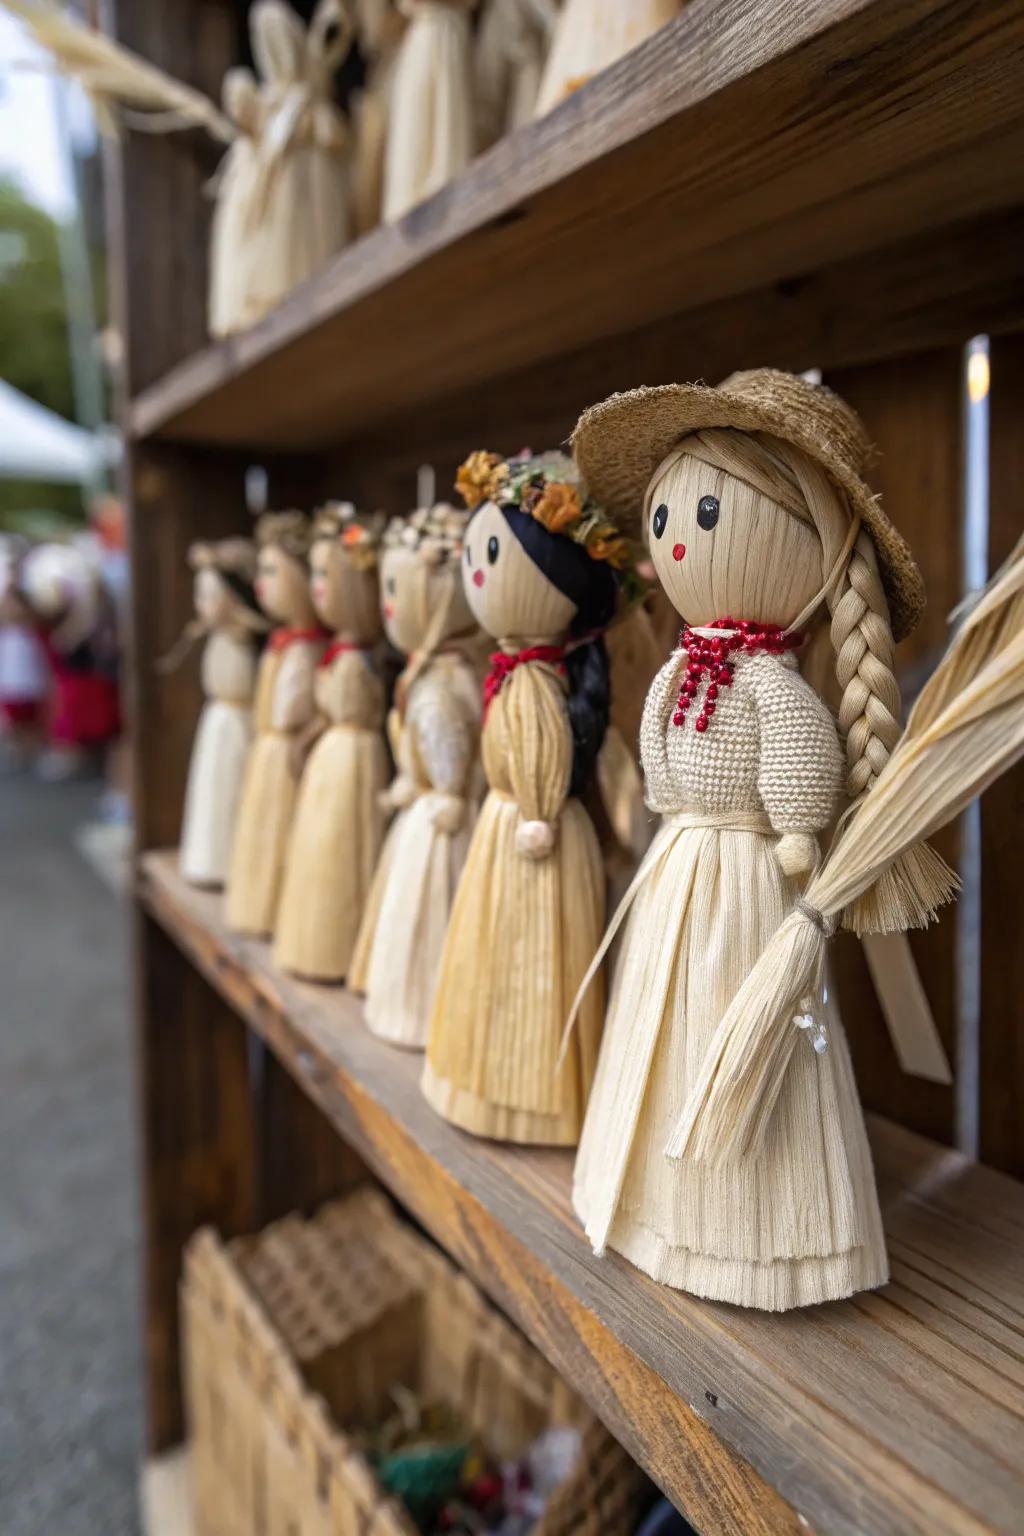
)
(710, 655)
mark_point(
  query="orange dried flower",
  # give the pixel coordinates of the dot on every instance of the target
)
(353, 534)
(559, 507)
(610, 547)
(475, 478)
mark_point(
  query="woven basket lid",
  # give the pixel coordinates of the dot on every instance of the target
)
(620, 443)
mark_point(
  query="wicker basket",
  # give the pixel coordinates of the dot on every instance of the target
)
(307, 1327)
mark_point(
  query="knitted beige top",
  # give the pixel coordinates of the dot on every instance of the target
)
(770, 744)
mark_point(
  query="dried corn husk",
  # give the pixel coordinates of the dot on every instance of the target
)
(966, 728)
(113, 77)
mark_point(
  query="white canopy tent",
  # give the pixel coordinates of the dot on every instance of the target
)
(37, 444)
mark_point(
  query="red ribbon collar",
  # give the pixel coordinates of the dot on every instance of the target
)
(340, 648)
(284, 636)
(504, 663)
(709, 657)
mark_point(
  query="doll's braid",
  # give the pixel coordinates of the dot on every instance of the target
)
(869, 709)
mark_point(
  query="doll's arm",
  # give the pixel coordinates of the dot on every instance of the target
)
(800, 762)
(540, 756)
(293, 703)
(446, 741)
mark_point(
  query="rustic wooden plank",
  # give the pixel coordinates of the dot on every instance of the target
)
(198, 1148)
(645, 195)
(1001, 1057)
(897, 1413)
(912, 407)
(301, 1161)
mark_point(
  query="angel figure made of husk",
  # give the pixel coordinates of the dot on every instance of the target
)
(339, 822)
(430, 134)
(231, 625)
(511, 45)
(284, 707)
(760, 525)
(543, 567)
(590, 35)
(283, 190)
(436, 736)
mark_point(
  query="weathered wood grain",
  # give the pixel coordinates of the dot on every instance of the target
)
(650, 193)
(895, 1413)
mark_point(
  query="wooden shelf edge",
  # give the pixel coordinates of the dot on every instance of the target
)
(664, 115)
(892, 1413)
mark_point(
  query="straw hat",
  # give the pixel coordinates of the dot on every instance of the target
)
(620, 443)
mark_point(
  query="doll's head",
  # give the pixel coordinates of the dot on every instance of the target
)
(282, 567)
(544, 563)
(224, 585)
(423, 601)
(344, 574)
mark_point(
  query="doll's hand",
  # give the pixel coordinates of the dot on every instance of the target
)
(447, 813)
(399, 793)
(797, 853)
(535, 839)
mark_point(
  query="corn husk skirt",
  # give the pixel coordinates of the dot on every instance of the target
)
(215, 775)
(400, 943)
(801, 1223)
(521, 936)
(332, 853)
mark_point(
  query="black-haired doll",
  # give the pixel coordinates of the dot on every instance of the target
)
(542, 568)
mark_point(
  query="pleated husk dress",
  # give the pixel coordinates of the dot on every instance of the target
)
(800, 1224)
(284, 706)
(339, 823)
(521, 935)
(430, 136)
(217, 764)
(406, 919)
(591, 35)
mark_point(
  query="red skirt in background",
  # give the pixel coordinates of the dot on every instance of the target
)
(86, 707)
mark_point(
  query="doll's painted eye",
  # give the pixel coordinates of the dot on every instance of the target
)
(707, 512)
(390, 584)
(492, 549)
(660, 520)
(469, 558)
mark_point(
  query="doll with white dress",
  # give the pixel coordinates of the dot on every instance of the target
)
(760, 525)
(431, 135)
(231, 626)
(428, 619)
(591, 35)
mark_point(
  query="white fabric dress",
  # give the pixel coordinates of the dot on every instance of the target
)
(217, 765)
(431, 135)
(800, 1224)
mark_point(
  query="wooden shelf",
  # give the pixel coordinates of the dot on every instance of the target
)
(898, 1412)
(643, 197)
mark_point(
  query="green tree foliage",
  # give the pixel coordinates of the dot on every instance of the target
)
(33, 334)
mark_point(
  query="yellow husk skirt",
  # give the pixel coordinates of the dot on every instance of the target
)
(406, 918)
(261, 835)
(215, 776)
(521, 936)
(334, 846)
(798, 1225)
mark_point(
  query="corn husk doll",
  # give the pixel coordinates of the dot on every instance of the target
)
(759, 522)
(283, 191)
(426, 616)
(511, 45)
(430, 136)
(283, 709)
(339, 822)
(231, 625)
(591, 35)
(380, 29)
(541, 573)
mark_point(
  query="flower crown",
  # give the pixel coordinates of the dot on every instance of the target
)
(434, 533)
(290, 531)
(548, 487)
(237, 557)
(360, 535)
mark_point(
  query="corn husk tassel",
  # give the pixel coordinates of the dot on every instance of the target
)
(113, 77)
(966, 728)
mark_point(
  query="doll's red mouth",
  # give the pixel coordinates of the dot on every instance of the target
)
(678, 551)
(478, 578)
(389, 610)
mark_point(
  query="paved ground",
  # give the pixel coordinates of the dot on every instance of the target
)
(70, 1406)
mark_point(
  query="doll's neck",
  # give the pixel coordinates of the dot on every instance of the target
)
(512, 644)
